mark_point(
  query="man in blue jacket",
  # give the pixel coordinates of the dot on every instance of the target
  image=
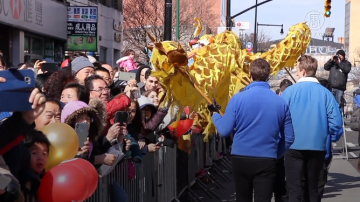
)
(258, 116)
(315, 114)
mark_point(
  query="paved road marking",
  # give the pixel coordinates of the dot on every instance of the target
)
(348, 129)
(352, 154)
(350, 144)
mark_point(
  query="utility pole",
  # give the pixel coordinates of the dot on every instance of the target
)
(228, 15)
(255, 29)
(168, 20)
(177, 20)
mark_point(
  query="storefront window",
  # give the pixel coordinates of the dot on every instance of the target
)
(49, 49)
(36, 46)
(26, 45)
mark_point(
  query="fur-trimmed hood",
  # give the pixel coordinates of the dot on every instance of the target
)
(97, 111)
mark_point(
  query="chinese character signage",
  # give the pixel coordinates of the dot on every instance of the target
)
(35, 16)
(82, 28)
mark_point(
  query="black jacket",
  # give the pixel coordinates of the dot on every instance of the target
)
(338, 73)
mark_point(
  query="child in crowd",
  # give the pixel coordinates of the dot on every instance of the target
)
(38, 145)
(127, 61)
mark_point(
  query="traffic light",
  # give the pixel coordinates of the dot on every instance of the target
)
(327, 12)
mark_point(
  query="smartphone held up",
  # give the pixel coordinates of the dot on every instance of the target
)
(81, 130)
(122, 117)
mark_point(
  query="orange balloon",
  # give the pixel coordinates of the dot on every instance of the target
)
(174, 124)
(64, 143)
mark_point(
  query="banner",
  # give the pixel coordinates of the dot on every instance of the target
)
(82, 28)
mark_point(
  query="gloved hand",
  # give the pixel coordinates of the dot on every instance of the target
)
(214, 107)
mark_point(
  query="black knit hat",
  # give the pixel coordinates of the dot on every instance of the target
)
(340, 52)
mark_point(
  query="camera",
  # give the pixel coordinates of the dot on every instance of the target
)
(336, 57)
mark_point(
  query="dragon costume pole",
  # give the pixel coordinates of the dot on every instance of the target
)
(197, 87)
(290, 74)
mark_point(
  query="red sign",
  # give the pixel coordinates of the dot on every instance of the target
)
(16, 7)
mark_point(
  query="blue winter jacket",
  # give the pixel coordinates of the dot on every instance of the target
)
(332, 138)
(357, 101)
(314, 112)
(258, 116)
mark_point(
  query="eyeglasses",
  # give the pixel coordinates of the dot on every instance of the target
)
(102, 90)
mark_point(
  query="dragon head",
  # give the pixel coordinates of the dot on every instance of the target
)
(167, 55)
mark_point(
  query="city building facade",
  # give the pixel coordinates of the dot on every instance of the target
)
(37, 29)
(32, 29)
(352, 29)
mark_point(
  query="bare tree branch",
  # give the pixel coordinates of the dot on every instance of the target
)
(262, 40)
(143, 16)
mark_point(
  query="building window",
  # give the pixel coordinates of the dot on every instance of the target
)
(36, 46)
(27, 45)
(347, 25)
(118, 4)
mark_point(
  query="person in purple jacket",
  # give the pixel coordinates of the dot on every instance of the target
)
(258, 116)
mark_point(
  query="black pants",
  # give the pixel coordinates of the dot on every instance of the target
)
(280, 184)
(251, 173)
(297, 163)
(323, 178)
(321, 183)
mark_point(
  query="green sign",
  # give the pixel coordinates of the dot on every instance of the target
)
(82, 28)
(81, 43)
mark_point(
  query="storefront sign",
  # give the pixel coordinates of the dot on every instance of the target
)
(35, 16)
(321, 50)
(82, 28)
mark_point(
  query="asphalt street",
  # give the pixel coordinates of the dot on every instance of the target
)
(343, 179)
(352, 146)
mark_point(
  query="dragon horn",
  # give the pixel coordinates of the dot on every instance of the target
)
(152, 38)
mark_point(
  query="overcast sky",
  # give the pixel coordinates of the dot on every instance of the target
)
(290, 12)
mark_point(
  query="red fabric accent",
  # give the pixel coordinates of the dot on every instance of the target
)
(120, 103)
(11, 145)
(65, 63)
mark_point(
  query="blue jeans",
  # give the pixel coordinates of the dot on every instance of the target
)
(338, 95)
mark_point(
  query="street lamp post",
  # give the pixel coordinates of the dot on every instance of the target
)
(168, 20)
(178, 20)
(257, 29)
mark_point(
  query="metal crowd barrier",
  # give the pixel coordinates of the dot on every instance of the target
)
(167, 174)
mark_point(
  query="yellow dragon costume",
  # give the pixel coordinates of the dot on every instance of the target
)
(220, 69)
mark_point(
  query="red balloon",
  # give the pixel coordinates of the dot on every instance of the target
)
(63, 183)
(187, 110)
(184, 126)
(90, 173)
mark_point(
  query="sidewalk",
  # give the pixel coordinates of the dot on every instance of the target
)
(343, 183)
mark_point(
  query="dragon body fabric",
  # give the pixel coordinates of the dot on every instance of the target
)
(220, 69)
